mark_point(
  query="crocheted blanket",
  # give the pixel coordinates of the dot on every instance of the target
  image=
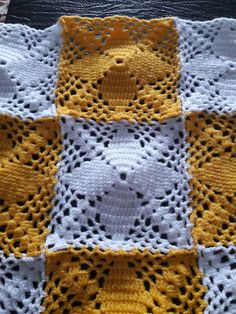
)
(117, 167)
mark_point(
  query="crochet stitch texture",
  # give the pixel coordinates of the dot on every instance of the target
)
(118, 167)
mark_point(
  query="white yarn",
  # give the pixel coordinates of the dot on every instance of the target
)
(208, 65)
(219, 267)
(21, 284)
(28, 68)
(121, 186)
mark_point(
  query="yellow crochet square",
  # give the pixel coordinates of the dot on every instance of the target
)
(96, 281)
(213, 169)
(118, 68)
(28, 155)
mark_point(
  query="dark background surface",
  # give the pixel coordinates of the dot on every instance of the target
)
(43, 13)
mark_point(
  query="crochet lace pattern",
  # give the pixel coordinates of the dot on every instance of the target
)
(118, 167)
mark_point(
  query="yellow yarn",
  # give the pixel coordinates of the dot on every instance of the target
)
(94, 281)
(125, 186)
(118, 68)
(213, 185)
(28, 156)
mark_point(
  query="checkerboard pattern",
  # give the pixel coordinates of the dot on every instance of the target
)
(118, 167)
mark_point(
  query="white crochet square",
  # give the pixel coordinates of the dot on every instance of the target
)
(21, 284)
(208, 65)
(219, 267)
(28, 68)
(121, 186)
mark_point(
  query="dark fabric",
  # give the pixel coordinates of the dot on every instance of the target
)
(43, 13)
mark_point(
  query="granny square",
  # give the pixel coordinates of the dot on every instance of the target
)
(121, 185)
